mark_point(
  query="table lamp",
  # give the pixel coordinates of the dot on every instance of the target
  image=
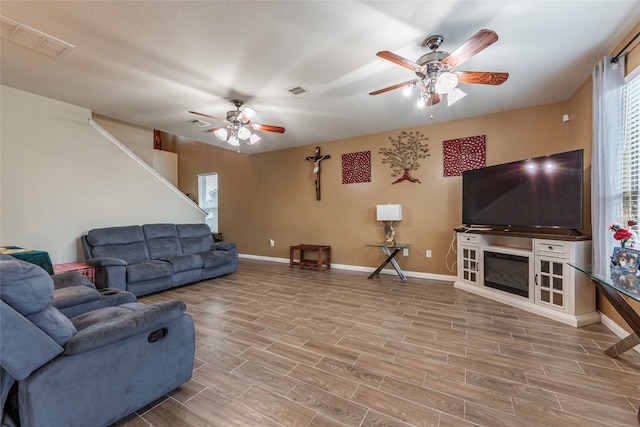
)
(389, 213)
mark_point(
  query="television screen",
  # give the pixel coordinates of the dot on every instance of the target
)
(541, 192)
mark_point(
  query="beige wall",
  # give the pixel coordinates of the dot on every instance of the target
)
(272, 195)
(60, 178)
(138, 139)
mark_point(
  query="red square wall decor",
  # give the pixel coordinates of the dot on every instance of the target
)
(356, 167)
(463, 154)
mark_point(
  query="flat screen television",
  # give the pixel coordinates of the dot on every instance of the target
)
(541, 192)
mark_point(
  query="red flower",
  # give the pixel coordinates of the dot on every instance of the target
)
(622, 234)
(631, 223)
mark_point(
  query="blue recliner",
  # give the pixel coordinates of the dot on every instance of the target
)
(91, 369)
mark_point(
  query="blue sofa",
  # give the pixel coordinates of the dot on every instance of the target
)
(89, 369)
(143, 259)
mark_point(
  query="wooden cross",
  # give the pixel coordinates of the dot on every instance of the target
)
(316, 159)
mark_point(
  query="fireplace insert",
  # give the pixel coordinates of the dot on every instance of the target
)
(506, 272)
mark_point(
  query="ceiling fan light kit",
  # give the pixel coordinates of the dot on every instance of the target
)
(221, 134)
(446, 82)
(455, 95)
(239, 126)
(435, 69)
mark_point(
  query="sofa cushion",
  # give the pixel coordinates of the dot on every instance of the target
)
(74, 295)
(164, 247)
(195, 238)
(71, 279)
(127, 243)
(162, 240)
(130, 252)
(185, 262)
(148, 270)
(115, 235)
(155, 231)
(24, 286)
(29, 290)
(94, 317)
(53, 323)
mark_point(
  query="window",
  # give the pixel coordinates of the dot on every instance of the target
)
(631, 158)
(208, 198)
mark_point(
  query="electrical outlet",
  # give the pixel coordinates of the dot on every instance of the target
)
(272, 242)
(405, 252)
(428, 253)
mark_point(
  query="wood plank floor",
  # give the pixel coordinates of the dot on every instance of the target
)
(293, 347)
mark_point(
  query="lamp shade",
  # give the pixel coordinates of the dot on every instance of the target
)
(389, 212)
(221, 134)
(254, 139)
(244, 133)
(455, 95)
(446, 82)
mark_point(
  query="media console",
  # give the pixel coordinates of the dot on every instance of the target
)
(529, 271)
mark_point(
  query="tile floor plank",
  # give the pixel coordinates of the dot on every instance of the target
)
(279, 347)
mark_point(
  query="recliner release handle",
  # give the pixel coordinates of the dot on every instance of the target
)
(157, 335)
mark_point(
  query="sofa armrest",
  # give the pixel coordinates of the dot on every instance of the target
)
(141, 319)
(223, 246)
(106, 262)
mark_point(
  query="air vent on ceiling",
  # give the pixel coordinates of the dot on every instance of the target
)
(198, 123)
(34, 39)
(298, 91)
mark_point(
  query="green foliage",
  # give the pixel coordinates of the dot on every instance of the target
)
(408, 149)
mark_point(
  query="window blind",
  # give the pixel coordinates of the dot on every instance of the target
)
(631, 158)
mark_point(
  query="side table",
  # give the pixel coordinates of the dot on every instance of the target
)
(613, 294)
(39, 258)
(315, 263)
(83, 268)
(397, 247)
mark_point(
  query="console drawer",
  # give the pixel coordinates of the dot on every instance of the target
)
(468, 239)
(551, 248)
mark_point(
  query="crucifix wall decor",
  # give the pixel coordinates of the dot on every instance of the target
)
(316, 159)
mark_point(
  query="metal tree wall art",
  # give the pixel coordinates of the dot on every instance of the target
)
(408, 148)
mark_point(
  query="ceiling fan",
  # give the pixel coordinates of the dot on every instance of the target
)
(239, 125)
(436, 69)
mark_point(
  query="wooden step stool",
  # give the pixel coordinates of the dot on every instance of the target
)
(315, 263)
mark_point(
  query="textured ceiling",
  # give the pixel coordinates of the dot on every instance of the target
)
(150, 62)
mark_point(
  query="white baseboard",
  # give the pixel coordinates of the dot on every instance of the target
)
(391, 271)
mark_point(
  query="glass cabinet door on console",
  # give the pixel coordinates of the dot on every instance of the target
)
(550, 273)
(468, 253)
(550, 283)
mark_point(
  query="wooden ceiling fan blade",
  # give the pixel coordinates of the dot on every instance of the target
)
(214, 129)
(398, 86)
(208, 116)
(397, 59)
(479, 41)
(481, 77)
(268, 128)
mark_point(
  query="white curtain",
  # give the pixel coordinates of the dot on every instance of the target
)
(606, 162)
